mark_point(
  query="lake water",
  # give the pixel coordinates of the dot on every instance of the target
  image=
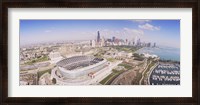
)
(166, 53)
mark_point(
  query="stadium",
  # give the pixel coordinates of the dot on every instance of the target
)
(78, 68)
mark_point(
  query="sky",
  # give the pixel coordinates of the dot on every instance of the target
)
(163, 32)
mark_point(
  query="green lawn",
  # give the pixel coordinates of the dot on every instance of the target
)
(110, 77)
(111, 59)
(127, 66)
(41, 59)
(115, 73)
(126, 48)
(107, 78)
(40, 73)
(138, 57)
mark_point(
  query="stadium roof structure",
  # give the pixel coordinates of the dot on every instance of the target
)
(78, 62)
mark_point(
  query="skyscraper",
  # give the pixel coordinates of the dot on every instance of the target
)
(113, 39)
(103, 42)
(90, 42)
(126, 42)
(98, 37)
(148, 44)
(138, 42)
(135, 41)
(154, 44)
(93, 43)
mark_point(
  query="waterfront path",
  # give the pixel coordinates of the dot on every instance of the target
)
(151, 70)
(140, 82)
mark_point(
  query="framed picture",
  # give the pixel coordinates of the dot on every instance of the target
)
(107, 52)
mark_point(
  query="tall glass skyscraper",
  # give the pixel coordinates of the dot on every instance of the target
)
(98, 37)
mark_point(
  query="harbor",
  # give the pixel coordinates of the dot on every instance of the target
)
(167, 73)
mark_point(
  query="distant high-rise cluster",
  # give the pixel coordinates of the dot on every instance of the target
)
(114, 41)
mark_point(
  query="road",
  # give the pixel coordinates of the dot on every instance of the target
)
(140, 82)
(152, 68)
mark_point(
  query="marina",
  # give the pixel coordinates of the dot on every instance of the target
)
(166, 74)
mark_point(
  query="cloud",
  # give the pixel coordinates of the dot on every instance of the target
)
(124, 33)
(148, 26)
(47, 31)
(133, 31)
(141, 21)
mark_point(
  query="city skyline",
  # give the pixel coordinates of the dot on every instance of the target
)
(163, 32)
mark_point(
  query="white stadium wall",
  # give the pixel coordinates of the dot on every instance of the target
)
(82, 71)
(72, 77)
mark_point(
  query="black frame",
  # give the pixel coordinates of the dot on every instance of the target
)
(194, 4)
